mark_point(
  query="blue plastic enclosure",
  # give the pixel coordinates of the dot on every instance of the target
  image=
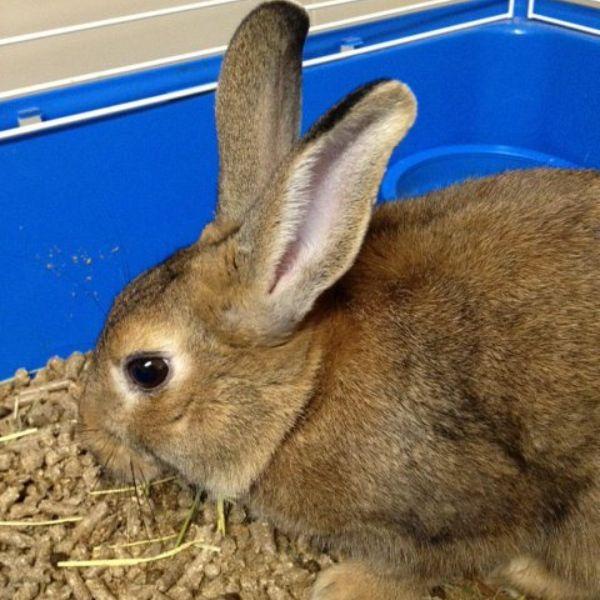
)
(92, 197)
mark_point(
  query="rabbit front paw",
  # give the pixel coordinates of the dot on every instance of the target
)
(356, 581)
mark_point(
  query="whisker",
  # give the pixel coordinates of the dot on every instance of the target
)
(94, 297)
(110, 459)
(74, 280)
(103, 467)
(84, 431)
(97, 481)
(124, 262)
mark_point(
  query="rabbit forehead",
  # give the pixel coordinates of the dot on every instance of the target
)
(146, 318)
(138, 334)
(170, 305)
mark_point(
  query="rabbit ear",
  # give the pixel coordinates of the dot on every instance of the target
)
(258, 103)
(305, 234)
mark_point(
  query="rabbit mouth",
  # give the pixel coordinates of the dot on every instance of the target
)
(118, 458)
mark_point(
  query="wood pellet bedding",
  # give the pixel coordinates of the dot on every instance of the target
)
(56, 507)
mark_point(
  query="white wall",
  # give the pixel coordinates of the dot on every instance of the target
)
(47, 43)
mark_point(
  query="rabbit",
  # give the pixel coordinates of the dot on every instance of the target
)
(415, 384)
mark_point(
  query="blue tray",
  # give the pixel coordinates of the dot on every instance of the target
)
(88, 206)
(442, 166)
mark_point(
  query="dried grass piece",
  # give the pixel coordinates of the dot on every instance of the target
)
(16, 411)
(144, 542)
(221, 522)
(34, 393)
(130, 562)
(188, 519)
(18, 434)
(130, 488)
(37, 390)
(40, 523)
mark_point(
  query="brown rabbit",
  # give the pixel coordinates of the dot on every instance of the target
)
(417, 385)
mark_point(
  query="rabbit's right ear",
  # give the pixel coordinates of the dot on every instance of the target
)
(309, 225)
(258, 103)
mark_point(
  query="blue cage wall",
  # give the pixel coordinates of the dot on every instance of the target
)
(121, 172)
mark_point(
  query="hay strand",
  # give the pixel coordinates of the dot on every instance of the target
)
(131, 562)
(18, 434)
(38, 390)
(40, 523)
(143, 542)
(130, 488)
(188, 519)
(221, 522)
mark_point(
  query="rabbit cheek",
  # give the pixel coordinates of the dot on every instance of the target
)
(121, 461)
(175, 446)
(115, 456)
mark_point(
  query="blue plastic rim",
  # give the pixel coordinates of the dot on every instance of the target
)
(440, 167)
(87, 207)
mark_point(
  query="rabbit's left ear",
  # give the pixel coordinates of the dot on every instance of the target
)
(258, 103)
(306, 232)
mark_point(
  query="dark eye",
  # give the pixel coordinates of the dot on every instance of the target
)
(147, 372)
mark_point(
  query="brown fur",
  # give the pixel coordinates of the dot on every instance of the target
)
(420, 389)
(268, 108)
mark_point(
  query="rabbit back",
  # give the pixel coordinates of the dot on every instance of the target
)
(459, 401)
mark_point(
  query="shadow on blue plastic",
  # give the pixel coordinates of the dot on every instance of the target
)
(443, 166)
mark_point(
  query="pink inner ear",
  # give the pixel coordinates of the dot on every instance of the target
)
(316, 192)
(285, 264)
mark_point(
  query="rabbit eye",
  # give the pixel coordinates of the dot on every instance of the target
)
(147, 372)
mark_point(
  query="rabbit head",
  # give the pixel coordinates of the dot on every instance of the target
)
(207, 359)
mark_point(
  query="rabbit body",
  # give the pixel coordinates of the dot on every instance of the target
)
(417, 385)
(457, 415)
